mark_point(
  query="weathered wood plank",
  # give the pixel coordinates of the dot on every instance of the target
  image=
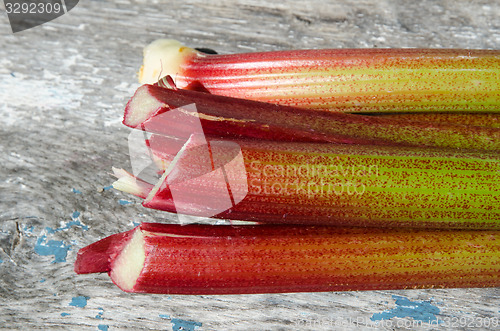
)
(63, 86)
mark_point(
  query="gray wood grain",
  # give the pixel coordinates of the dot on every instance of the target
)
(63, 86)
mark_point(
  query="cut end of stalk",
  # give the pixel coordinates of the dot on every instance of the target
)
(128, 183)
(127, 266)
(193, 141)
(163, 57)
(97, 257)
(141, 107)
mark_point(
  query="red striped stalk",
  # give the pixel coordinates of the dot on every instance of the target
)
(200, 259)
(354, 80)
(176, 112)
(350, 185)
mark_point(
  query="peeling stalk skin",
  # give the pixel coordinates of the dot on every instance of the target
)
(199, 259)
(238, 118)
(352, 80)
(301, 183)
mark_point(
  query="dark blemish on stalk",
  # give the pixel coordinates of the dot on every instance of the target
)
(206, 50)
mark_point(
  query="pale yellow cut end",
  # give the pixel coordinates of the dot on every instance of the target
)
(128, 183)
(141, 107)
(129, 264)
(163, 57)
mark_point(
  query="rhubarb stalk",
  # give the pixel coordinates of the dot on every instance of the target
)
(200, 259)
(176, 112)
(468, 119)
(308, 183)
(353, 80)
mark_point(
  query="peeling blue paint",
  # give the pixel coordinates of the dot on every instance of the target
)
(42, 280)
(29, 230)
(124, 202)
(422, 311)
(178, 325)
(74, 222)
(164, 316)
(107, 188)
(99, 315)
(52, 247)
(103, 327)
(76, 191)
(136, 224)
(1, 261)
(65, 314)
(79, 301)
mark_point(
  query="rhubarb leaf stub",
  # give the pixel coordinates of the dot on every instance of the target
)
(163, 57)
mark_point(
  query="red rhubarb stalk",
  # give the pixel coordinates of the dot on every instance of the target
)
(178, 113)
(200, 259)
(353, 80)
(305, 183)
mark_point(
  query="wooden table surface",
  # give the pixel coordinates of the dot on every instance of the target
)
(63, 87)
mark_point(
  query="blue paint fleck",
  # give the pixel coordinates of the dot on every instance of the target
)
(107, 188)
(65, 314)
(52, 247)
(99, 316)
(42, 280)
(79, 301)
(74, 190)
(1, 261)
(103, 327)
(27, 229)
(164, 316)
(418, 310)
(136, 223)
(178, 325)
(74, 222)
(124, 202)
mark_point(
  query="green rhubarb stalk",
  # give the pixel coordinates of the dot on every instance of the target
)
(308, 183)
(201, 259)
(470, 120)
(354, 80)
